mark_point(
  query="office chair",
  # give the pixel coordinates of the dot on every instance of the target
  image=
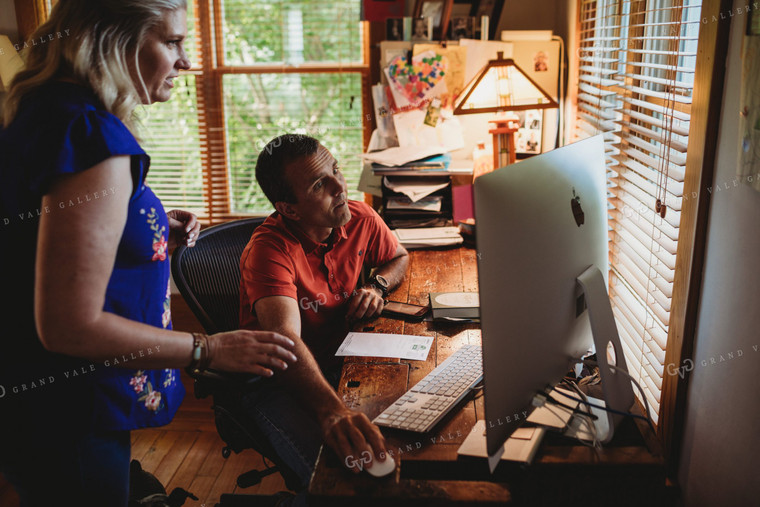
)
(208, 277)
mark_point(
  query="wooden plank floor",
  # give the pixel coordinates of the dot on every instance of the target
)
(188, 454)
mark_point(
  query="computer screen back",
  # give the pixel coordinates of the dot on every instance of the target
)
(540, 223)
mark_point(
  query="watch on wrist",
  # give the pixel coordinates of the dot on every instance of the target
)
(381, 283)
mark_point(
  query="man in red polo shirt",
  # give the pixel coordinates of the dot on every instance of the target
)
(299, 277)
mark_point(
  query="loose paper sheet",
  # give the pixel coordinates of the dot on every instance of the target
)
(385, 345)
(417, 188)
(399, 155)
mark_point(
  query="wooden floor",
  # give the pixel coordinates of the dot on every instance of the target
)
(188, 453)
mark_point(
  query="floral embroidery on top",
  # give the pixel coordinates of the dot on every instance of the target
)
(159, 241)
(170, 377)
(166, 317)
(152, 399)
(138, 381)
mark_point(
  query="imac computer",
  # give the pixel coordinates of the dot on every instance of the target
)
(542, 269)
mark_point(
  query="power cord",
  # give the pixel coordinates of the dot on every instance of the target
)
(595, 442)
(606, 409)
(648, 418)
(541, 398)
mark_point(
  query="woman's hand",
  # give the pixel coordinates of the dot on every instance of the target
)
(258, 352)
(183, 228)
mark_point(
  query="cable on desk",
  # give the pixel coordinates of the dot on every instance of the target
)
(648, 418)
(549, 399)
(600, 407)
(596, 443)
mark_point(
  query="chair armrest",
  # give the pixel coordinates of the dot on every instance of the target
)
(208, 381)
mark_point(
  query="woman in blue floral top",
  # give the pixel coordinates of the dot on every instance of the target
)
(84, 264)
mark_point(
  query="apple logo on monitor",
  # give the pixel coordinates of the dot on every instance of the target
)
(575, 204)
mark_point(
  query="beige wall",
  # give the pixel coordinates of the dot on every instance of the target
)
(8, 20)
(720, 463)
(536, 15)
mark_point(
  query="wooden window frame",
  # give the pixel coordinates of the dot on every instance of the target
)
(704, 111)
(209, 86)
(700, 169)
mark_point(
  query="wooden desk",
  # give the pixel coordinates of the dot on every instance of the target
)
(630, 471)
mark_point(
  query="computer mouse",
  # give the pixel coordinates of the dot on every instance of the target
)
(381, 468)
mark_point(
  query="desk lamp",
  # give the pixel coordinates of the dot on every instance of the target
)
(10, 62)
(502, 87)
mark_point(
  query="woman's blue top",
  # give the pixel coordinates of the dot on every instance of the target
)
(60, 129)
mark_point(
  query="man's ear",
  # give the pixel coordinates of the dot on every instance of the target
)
(287, 210)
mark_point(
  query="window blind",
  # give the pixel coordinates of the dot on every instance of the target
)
(635, 80)
(172, 135)
(260, 69)
(290, 67)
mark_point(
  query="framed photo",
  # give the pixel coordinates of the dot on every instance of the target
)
(528, 139)
(439, 11)
(394, 29)
(422, 29)
(464, 27)
(478, 8)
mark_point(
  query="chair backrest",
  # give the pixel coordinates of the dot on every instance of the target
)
(208, 275)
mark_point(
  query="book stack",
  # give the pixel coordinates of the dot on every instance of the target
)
(416, 193)
(428, 237)
(435, 165)
(455, 305)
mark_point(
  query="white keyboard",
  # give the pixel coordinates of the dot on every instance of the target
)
(432, 397)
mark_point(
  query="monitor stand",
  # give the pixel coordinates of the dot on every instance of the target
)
(616, 386)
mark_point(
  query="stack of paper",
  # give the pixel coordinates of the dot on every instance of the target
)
(424, 166)
(399, 156)
(426, 237)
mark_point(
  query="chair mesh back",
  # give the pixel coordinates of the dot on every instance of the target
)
(208, 275)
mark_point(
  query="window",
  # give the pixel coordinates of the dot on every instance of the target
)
(260, 69)
(635, 80)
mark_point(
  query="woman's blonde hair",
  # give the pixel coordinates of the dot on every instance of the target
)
(95, 43)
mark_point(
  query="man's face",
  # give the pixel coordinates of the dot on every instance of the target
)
(320, 191)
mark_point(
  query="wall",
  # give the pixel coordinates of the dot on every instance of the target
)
(8, 20)
(536, 15)
(719, 461)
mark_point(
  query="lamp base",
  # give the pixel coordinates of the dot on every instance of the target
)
(503, 141)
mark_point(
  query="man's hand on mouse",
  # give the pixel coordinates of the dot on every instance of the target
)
(354, 439)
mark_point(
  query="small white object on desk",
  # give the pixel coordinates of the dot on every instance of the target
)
(381, 468)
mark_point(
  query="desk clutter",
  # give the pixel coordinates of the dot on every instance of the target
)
(428, 237)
